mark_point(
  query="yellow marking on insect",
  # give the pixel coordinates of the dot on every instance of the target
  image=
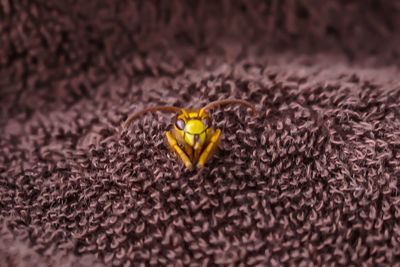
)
(195, 132)
(194, 126)
(192, 136)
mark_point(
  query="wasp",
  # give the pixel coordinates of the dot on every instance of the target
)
(191, 136)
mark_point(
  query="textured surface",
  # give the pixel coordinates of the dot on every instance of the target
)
(314, 180)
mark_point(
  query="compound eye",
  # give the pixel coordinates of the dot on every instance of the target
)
(180, 124)
(207, 122)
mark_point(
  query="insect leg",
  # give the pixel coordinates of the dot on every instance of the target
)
(174, 147)
(210, 148)
(189, 151)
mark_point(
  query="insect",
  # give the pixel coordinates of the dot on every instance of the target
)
(192, 136)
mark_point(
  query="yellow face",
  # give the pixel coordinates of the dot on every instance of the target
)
(193, 127)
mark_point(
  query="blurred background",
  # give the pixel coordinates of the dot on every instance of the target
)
(53, 50)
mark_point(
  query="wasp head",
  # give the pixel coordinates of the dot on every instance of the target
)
(193, 126)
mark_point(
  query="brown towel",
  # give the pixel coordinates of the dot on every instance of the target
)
(312, 181)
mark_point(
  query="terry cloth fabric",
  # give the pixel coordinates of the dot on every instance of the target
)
(313, 180)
